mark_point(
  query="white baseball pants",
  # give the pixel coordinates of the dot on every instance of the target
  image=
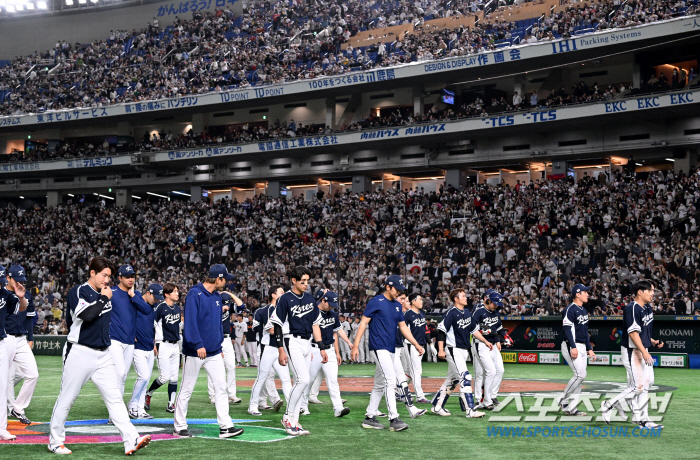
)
(299, 358)
(384, 384)
(240, 352)
(122, 357)
(252, 349)
(168, 362)
(20, 356)
(490, 371)
(344, 350)
(81, 364)
(330, 370)
(269, 365)
(143, 364)
(642, 378)
(214, 366)
(230, 366)
(415, 369)
(4, 371)
(578, 366)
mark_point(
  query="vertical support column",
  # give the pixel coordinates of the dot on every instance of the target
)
(361, 184)
(684, 160)
(54, 198)
(636, 76)
(195, 193)
(418, 103)
(456, 178)
(199, 123)
(124, 198)
(124, 135)
(330, 112)
(273, 189)
(519, 86)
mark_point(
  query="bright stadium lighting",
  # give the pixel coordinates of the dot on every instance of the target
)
(10, 8)
(155, 194)
(71, 195)
(42, 6)
(182, 193)
(30, 6)
(21, 197)
(108, 197)
(82, 2)
(671, 160)
(69, 2)
(94, 1)
(137, 197)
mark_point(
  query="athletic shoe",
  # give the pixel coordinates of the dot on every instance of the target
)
(278, 405)
(253, 365)
(343, 400)
(254, 412)
(230, 432)
(422, 401)
(620, 411)
(487, 407)
(605, 411)
(397, 425)
(182, 433)
(495, 402)
(145, 415)
(6, 436)
(265, 407)
(381, 414)
(418, 413)
(343, 413)
(133, 415)
(140, 444)
(302, 431)
(211, 401)
(650, 426)
(147, 405)
(235, 400)
(170, 409)
(315, 401)
(291, 430)
(440, 411)
(60, 450)
(21, 417)
(304, 411)
(576, 413)
(471, 413)
(372, 422)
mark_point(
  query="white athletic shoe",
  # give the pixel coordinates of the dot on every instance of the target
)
(265, 407)
(304, 411)
(234, 400)
(440, 411)
(6, 436)
(650, 426)
(302, 431)
(342, 413)
(471, 413)
(620, 411)
(60, 450)
(254, 412)
(605, 411)
(315, 401)
(417, 413)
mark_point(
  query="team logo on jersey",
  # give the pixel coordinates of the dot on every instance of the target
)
(530, 334)
(647, 319)
(173, 318)
(326, 322)
(490, 321)
(3, 302)
(99, 432)
(616, 335)
(583, 319)
(464, 323)
(106, 308)
(301, 310)
(418, 322)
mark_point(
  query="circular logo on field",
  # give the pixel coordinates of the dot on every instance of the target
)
(99, 431)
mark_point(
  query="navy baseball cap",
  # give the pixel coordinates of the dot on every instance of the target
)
(157, 291)
(329, 296)
(126, 270)
(579, 288)
(396, 281)
(3, 275)
(17, 273)
(220, 271)
(226, 298)
(488, 292)
(496, 298)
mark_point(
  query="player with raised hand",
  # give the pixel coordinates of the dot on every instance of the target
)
(382, 315)
(415, 320)
(453, 345)
(296, 320)
(87, 356)
(168, 351)
(576, 348)
(638, 319)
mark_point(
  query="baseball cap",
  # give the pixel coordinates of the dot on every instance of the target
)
(488, 292)
(3, 275)
(496, 298)
(157, 291)
(126, 270)
(220, 271)
(17, 273)
(329, 296)
(579, 288)
(226, 298)
(396, 281)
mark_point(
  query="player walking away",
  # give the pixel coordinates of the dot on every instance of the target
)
(415, 320)
(345, 347)
(167, 352)
(19, 353)
(126, 302)
(384, 314)
(87, 356)
(144, 350)
(330, 329)
(201, 344)
(19, 305)
(269, 359)
(240, 328)
(251, 345)
(636, 340)
(403, 394)
(576, 345)
(453, 345)
(296, 319)
(231, 303)
(478, 371)
(489, 359)
(268, 391)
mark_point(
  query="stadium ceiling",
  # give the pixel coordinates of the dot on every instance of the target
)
(16, 8)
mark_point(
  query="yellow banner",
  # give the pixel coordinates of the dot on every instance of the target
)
(509, 357)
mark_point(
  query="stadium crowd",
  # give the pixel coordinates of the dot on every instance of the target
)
(277, 43)
(531, 242)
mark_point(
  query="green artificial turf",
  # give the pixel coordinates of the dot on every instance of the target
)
(428, 437)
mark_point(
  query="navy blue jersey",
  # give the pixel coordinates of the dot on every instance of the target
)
(258, 323)
(203, 310)
(95, 333)
(263, 317)
(386, 315)
(169, 319)
(575, 324)
(296, 314)
(489, 323)
(125, 309)
(31, 317)
(5, 309)
(226, 315)
(637, 319)
(16, 321)
(145, 331)
(416, 322)
(458, 326)
(330, 324)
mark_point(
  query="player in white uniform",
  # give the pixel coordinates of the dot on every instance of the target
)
(251, 345)
(86, 356)
(345, 347)
(415, 320)
(240, 327)
(231, 304)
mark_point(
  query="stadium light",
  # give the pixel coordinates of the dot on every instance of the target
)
(94, 1)
(30, 6)
(10, 8)
(671, 160)
(137, 197)
(105, 196)
(82, 2)
(42, 6)
(69, 2)
(155, 194)
(21, 197)
(71, 195)
(182, 193)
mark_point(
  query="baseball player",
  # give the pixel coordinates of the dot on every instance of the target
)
(415, 320)
(167, 352)
(489, 361)
(251, 345)
(20, 305)
(240, 327)
(269, 359)
(144, 352)
(296, 319)
(576, 345)
(345, 347)
(453, 345)
(478, 371)
(231, 304)
(355, 325)
(201, 344)
(87, 356)
(330, 329)
(384, 314)
(126, 302)
(403, 394)
(430, 338)
(19, 352)
(268, 391)
(636, 340)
